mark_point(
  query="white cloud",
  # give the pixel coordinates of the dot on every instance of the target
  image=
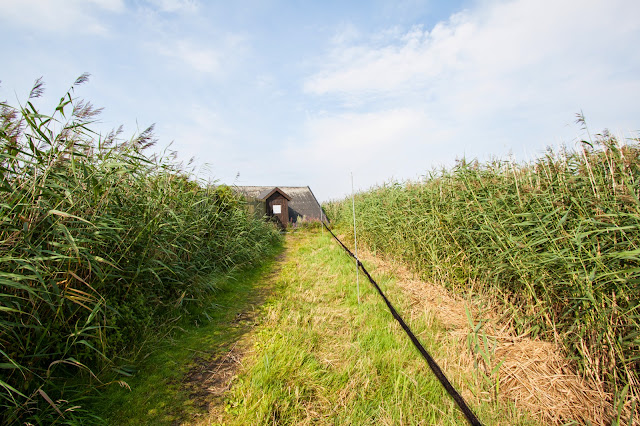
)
(175, 5)
(201, 133)
(505, 76)
(346, 33)
(360, 134)
(494, 54)
(110, 5)
(203, 129)
(199, 57)
(375, 146)
(59, 16)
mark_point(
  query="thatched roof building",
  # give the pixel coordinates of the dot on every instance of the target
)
(293, 203)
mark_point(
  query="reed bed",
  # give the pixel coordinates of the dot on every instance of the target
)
(100, 241)
(555, 242)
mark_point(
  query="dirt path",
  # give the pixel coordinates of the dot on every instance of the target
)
(212, 373)
(313, 355)
(317, 356)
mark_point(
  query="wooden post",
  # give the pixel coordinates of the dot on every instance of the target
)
(355, 238)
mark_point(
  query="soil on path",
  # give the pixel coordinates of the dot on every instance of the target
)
(213, 371)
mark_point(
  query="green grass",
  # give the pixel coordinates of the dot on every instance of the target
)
(555, 242)
(320, 357)
(159, 390)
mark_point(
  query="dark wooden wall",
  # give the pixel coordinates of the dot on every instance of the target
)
(278, 199)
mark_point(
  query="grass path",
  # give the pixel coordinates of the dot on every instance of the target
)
(318, 357)
(185, 371)
(288, 343)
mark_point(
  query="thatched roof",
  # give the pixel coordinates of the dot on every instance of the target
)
(302, 202)
(268, 193)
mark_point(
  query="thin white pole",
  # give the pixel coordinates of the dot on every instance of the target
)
(355, 238)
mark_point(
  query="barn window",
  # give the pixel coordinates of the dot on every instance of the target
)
(277, 209)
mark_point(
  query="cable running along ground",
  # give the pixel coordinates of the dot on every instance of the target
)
(471, 417)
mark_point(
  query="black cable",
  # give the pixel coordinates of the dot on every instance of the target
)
(471, 418)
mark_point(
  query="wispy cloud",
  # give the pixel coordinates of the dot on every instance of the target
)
(501, 54)
(60, 16)
(502, 77)
(203, 58)
(175, 5)
(400, 64)
(388, 93)
(376, 146)
(202, 129)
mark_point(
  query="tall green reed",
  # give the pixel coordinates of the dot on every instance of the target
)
(556, 242)
(99, 241)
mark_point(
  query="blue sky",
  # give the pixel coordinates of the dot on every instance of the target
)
(304, 93)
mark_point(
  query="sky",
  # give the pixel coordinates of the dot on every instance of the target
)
(296, 93)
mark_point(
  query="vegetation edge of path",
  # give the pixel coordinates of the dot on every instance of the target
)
(319, 357)
(164, 389)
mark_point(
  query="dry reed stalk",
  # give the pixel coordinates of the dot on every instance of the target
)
(539, 378)
(535, 375)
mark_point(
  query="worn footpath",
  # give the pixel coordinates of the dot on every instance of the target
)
(317, 356)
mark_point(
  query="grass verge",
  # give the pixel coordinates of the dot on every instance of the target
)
(163, 391)
(320, 357)
(553, 241)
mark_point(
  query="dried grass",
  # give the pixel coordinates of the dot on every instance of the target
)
(539, 378)
(535, 375)
(555, 240)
